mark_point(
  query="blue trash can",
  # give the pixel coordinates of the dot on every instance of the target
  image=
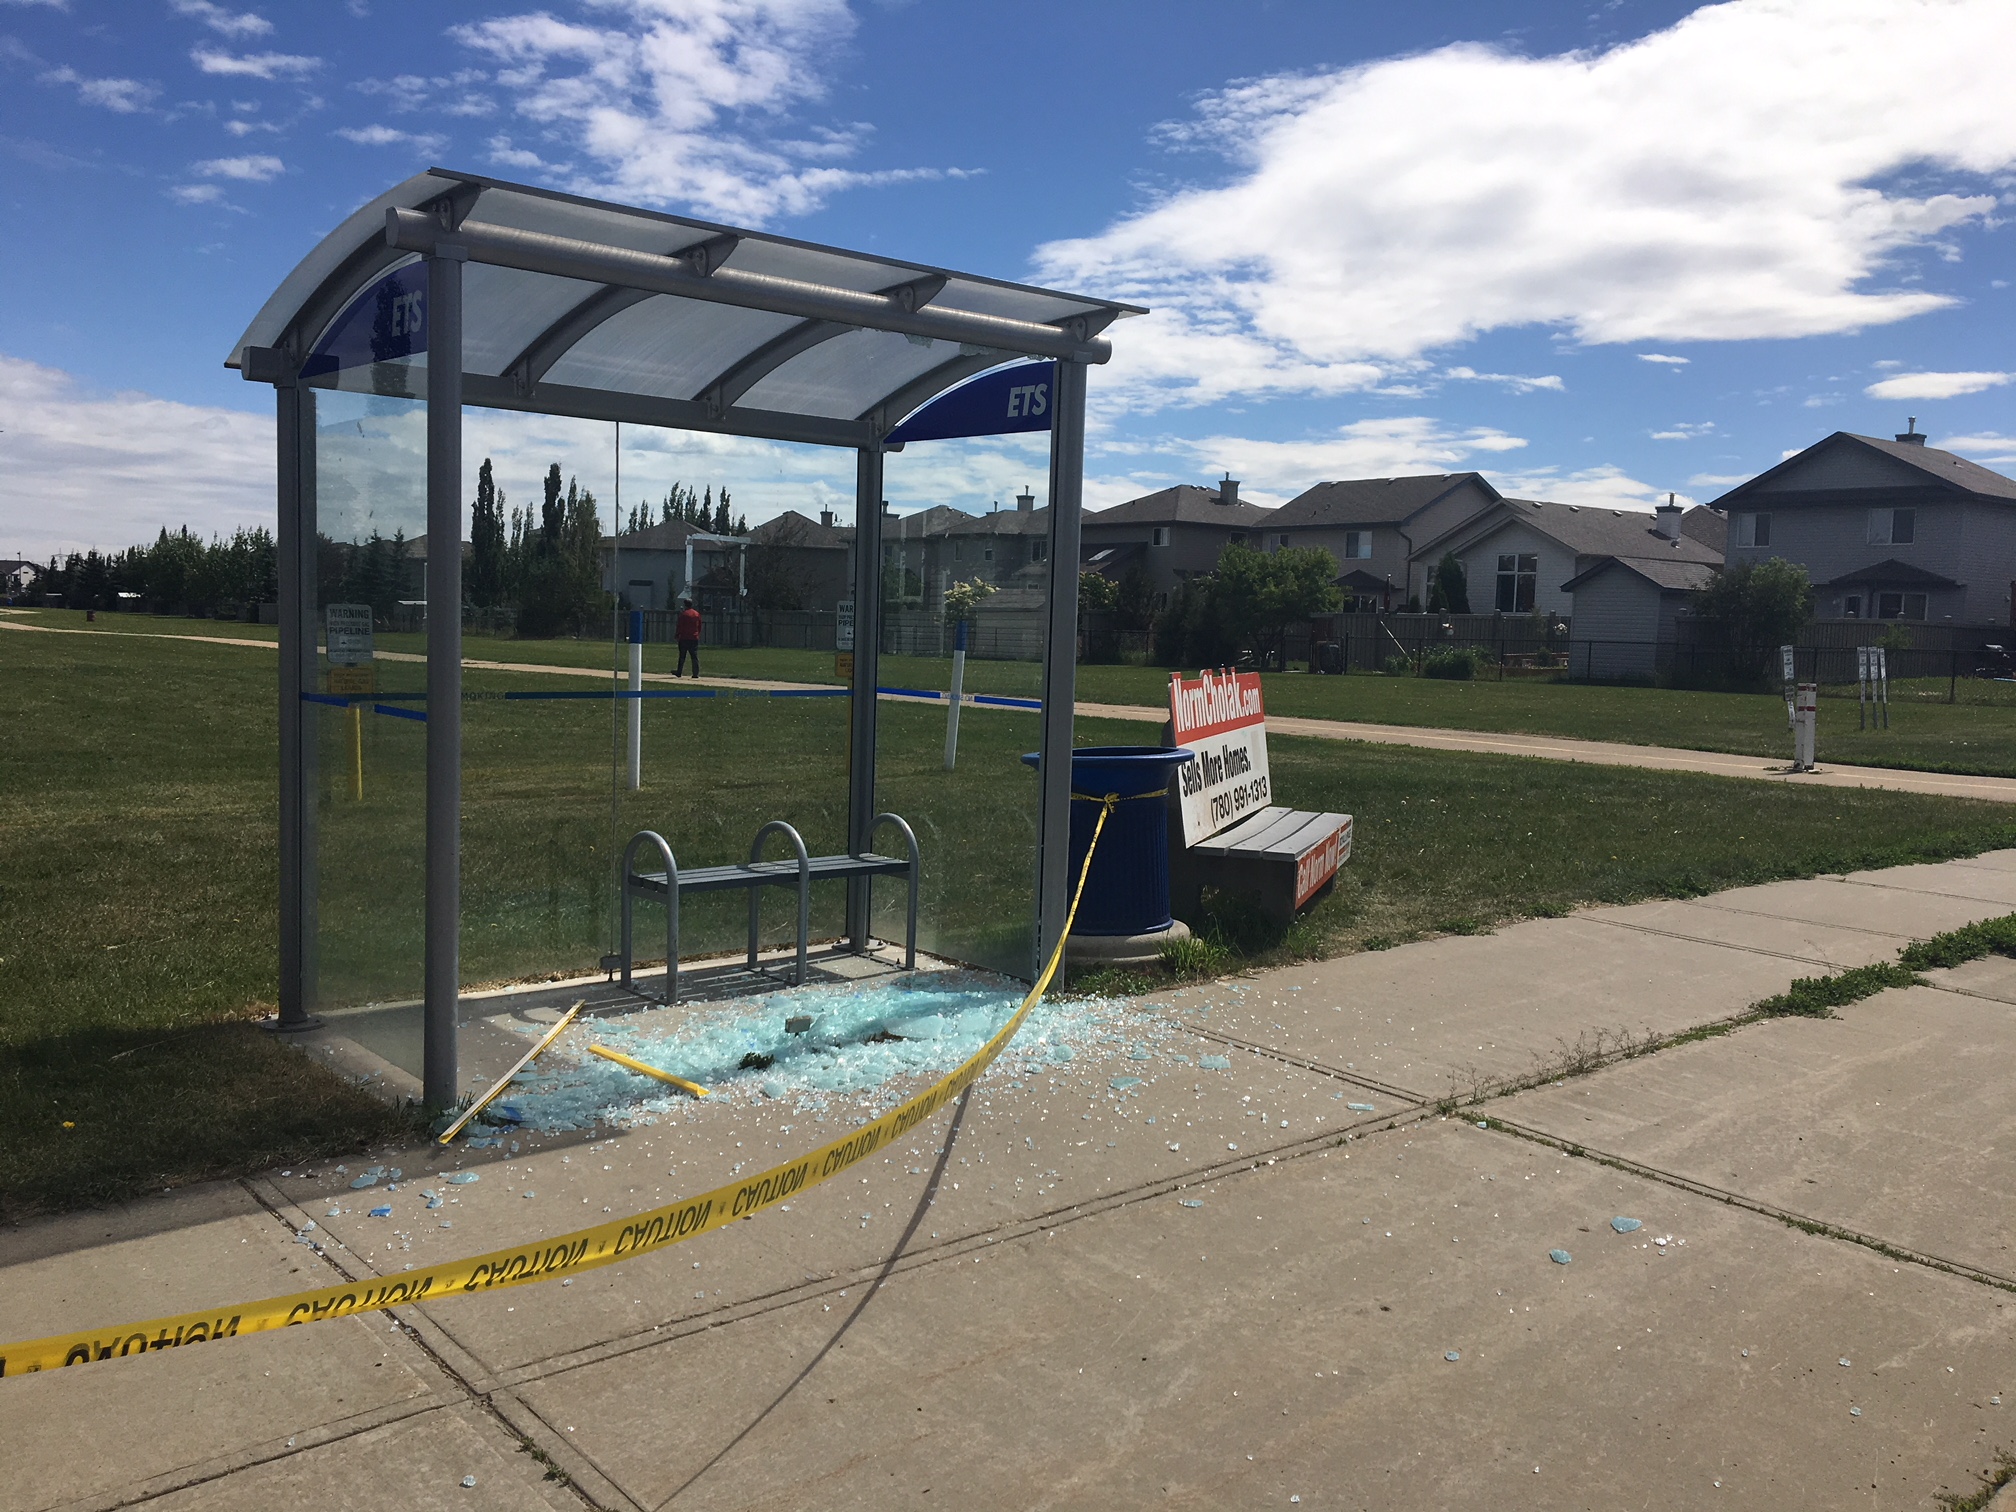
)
(1127, 892)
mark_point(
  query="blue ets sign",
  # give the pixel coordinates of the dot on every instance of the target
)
(386, 321)
(996, 404)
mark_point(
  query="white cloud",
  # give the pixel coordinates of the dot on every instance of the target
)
(1685, 431)
(247, 128)
(126, 96)
(254, 65)
(218, 19)
(1665, 358)
(112, 469)
(256, 168)
(1271, 472)
(1362, 224)
(196, 194)
(1987, 448)
(1718, 480)
(386, 136)
(505, 155)
(1605, 487)
(1518, 383)
(1935, 385)
(685, 102)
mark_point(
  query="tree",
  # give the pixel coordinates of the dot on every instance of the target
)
(724, 522)
(486, 541)
(1751, 609)
(1262, 594)
(1448, 592)
(552, 513)
(1096, 594)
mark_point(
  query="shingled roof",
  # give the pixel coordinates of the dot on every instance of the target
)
(1942, 468)
(1187, 504)
(1586, 530)
(1370, 501)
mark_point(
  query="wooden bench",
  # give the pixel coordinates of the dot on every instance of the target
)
(801, 871)
(1279, 857)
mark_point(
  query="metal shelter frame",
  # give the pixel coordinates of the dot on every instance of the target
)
(556, 304)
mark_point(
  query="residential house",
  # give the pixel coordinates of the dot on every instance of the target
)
(17, 575)
(1627, 612)
(1519, 555)
(414, 576)
(650, 568)
(796, 562)
(1376, 527)
(1004, 548)
(1174, 533)
(1891, 530)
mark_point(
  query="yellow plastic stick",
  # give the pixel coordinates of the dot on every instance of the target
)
(504, 1081)
(652, 1071)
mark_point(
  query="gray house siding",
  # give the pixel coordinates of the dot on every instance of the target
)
(1830, 540)
(1188, 549)
(1388, 559)
(1988, 547)
(1557, 565)
(1820, 503)
(1619, 620)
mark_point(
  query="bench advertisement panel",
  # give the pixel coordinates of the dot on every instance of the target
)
(1220, 716)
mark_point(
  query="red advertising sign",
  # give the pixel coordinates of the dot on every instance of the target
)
(1220, 717)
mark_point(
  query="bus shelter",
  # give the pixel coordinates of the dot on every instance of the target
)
(455, 293)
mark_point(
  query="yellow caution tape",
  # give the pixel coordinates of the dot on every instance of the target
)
(448, 1134)
(643, 1070)
(566, 1255)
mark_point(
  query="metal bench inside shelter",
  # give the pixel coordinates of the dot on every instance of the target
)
(800, 871)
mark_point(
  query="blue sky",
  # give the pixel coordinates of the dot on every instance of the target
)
(1597, 251)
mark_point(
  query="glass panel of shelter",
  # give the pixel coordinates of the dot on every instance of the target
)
(975, 809)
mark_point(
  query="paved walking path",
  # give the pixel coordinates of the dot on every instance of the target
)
(1204, 1288)
(1541, 747)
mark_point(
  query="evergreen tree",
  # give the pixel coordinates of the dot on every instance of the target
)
(724, 523)
(553, 513)
(486, 541)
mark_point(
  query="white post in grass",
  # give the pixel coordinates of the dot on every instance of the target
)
(1804, 727)
(1862, 688)
(961, 599)
(1882, 689)
(636, 701)
(958, 687)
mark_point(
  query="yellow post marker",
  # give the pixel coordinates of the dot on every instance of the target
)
(504, 1081)
(651, 1071)
(357, 752)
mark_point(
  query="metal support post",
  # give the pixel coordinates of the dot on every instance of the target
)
(861, 707)
(636, 709)
(295, 428)
(444, 672)
(1060, 660)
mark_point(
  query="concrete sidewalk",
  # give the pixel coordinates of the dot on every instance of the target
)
(1208, 1288)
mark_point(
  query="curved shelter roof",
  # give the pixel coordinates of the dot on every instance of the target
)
(580, 307)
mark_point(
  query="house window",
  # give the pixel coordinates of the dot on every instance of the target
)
(1518, 574)
(1038, 550)
(1910, 606)
(958, 551)
(987, 554)
(1357, 545)
(1892, 527)
(1753, 530)
(1159, 536)
(1237, 538)
(1851, 606)
(1281, 543)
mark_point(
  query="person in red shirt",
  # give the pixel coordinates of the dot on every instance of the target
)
(686, 630)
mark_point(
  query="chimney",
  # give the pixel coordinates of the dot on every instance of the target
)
(826, 517)
(1025, 502)
(1911, 436)
(1666, 519)
(1228, 490)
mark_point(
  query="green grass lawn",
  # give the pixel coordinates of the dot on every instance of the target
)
(137, 903)
(1976, 734)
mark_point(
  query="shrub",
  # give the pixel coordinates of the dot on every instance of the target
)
(1398, 666)
(1456, 663)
